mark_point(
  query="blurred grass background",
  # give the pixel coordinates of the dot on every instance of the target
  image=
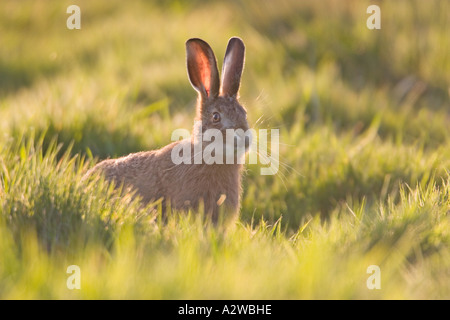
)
(364, 123)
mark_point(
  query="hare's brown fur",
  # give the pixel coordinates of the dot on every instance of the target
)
(154, 175)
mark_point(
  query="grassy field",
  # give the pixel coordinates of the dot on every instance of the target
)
(364, 120)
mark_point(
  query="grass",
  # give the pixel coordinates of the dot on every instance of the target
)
(364, 125)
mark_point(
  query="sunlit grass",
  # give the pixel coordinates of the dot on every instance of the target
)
(51, 219)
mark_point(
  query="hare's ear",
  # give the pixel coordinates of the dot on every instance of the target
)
(202, 68)
(233, 64)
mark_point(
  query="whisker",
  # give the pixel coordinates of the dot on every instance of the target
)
(256, 122)
(287, 166)
(263, 120)
(282, 163)
(283, 175)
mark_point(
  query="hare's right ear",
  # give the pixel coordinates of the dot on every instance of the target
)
(202, 68)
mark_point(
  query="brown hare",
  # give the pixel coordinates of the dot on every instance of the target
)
(214, 186)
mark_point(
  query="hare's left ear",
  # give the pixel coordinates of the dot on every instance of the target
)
(233, 64)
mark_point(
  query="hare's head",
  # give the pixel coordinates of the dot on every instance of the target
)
(218, 108)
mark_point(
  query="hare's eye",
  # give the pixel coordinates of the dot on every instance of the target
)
(216, 117)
